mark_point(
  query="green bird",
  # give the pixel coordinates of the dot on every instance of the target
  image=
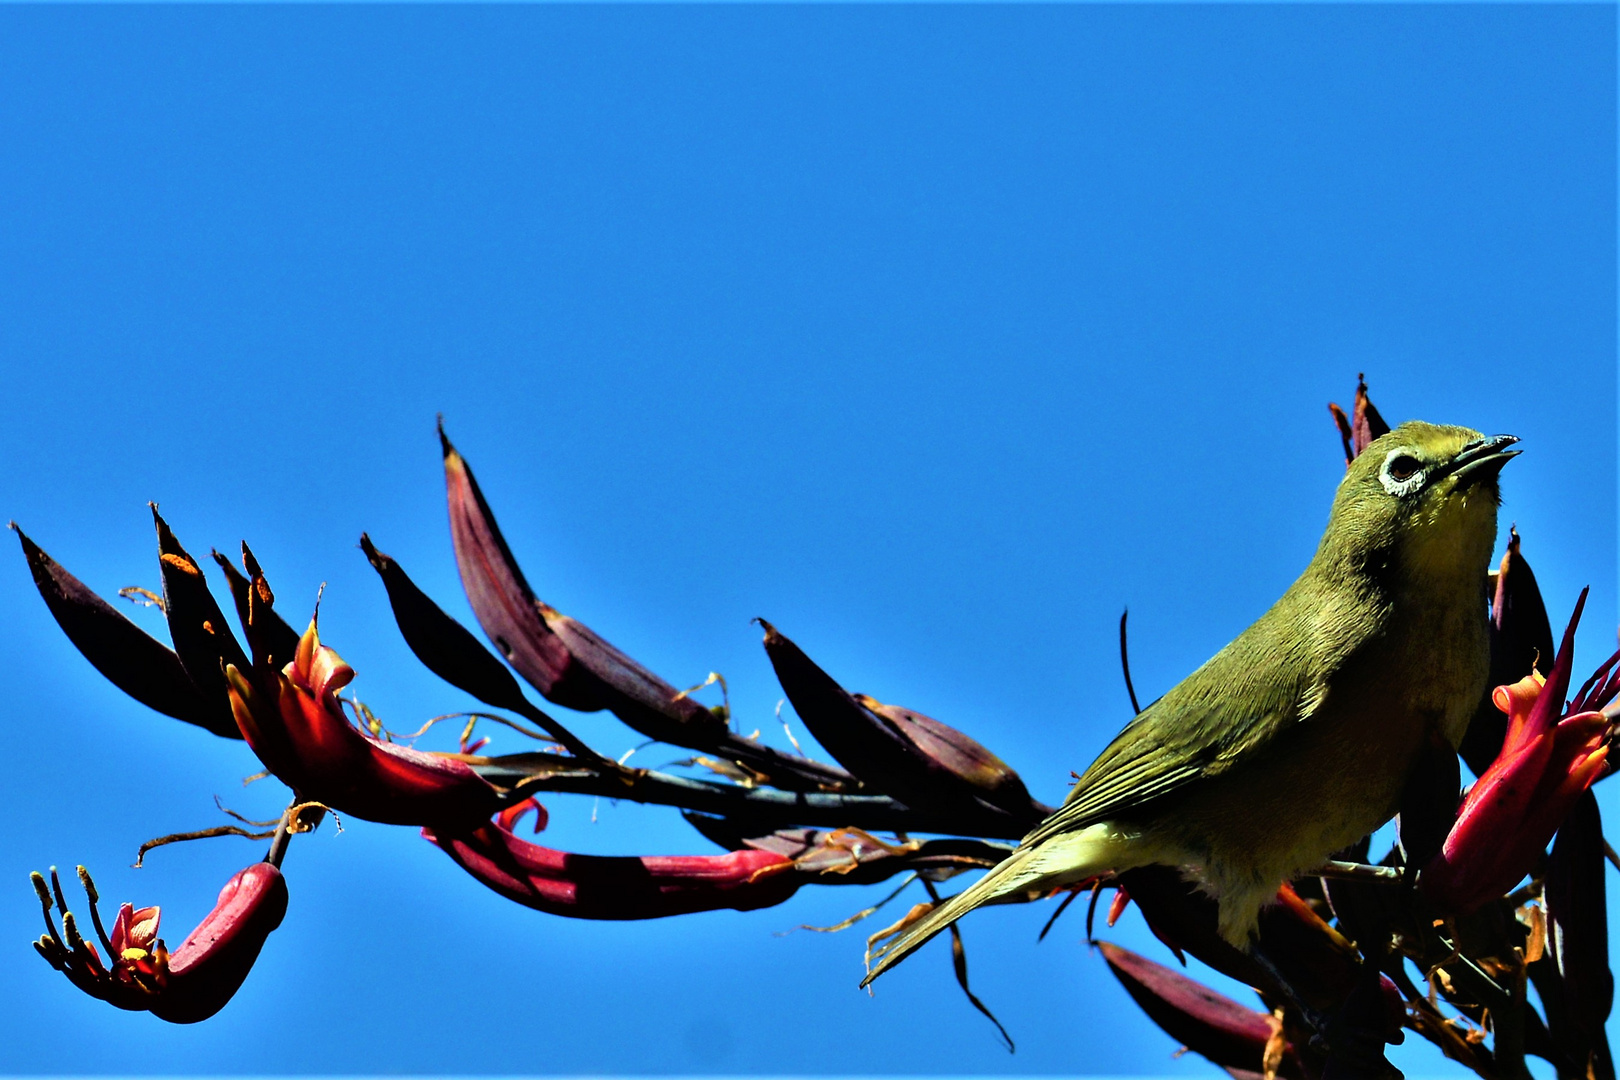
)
(1298, 738)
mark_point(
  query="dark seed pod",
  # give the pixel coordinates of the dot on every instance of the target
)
(1578, 932)
(272, 642)
(133, 660)
(202, 638)
(1521, 639)
(1429, 804)
(1198, 1018)
(917, 765)
(562, 658)
(444, 646)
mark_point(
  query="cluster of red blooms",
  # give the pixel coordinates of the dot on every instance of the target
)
(1448, 899)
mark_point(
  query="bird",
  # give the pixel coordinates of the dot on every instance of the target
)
(1298, 738)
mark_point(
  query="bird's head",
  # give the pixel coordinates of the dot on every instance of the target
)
(1423, 499)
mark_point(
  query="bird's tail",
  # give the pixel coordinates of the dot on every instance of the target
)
(1058, 860)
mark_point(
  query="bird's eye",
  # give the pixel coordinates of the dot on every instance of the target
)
(1403, 467)
(1401, 474)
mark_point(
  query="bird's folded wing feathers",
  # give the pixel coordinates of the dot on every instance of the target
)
(1184, 735)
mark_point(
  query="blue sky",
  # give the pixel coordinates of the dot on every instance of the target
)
(934, 335)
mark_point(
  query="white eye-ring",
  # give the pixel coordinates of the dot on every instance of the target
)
(1402, 472)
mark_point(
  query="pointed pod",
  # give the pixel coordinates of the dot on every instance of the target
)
(1519, 616)
(269, 638)
(613, 887)
(302, 736)
(1358, 430)
(891, 752)
(202, 638)
(1366, 424)
(133, 660)
(444, 646)
(1562, 1039)
(965, 758)
(1578, 916)
(1429, 802)
(857, 738)
(1197, 1017)
(1521, 641)
(565, 660)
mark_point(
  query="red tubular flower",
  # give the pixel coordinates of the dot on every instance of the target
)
(614, 887)
(305, 739)
(1549, 757)
(190, 984)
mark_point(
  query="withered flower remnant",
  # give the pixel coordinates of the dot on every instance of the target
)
(140, 974)
(854, 856)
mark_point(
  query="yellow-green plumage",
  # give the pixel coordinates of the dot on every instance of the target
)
(1297, 738)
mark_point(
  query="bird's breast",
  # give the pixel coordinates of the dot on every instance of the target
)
(1338, 773)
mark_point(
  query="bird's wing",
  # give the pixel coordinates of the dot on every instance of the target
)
(1197, 729)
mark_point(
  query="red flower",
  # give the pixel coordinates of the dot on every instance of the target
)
(197, 979)
(614, 887)
(1550, 756)
(305, 739)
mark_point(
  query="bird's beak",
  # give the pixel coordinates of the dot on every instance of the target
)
(1482, 459)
